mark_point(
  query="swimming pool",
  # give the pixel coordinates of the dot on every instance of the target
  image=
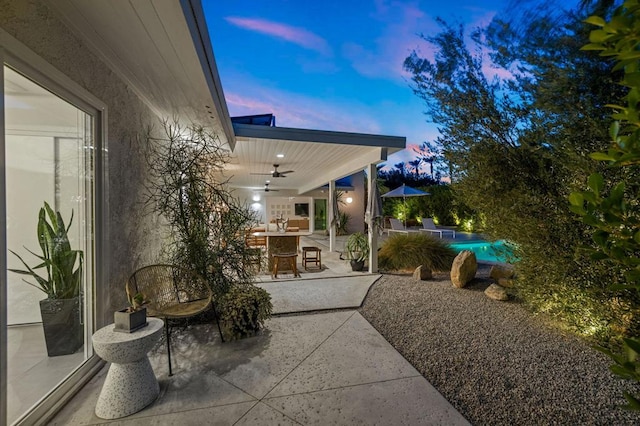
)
(485, 251)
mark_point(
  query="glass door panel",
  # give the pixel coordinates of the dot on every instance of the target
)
(48, 149)
(320, 214)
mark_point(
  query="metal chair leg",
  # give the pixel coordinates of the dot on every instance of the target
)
(167, 331)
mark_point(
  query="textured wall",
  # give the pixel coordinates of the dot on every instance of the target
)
(134, 235)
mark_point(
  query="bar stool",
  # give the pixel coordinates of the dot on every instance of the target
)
(311, 255)
(292, 258)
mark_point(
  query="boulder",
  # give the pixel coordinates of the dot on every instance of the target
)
(496, 292)
(506, 282)
(422, 273)
(501, 271)
(464, 268)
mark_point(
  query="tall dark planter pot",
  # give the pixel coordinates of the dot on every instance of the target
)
(63, 331)
(357, 265)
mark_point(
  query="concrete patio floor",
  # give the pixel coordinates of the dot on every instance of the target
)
(325, 368)
(307, 368)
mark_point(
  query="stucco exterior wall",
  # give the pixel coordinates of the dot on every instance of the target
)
(134, 235)
(357, 208)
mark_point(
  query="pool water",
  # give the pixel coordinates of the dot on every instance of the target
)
(485, 251)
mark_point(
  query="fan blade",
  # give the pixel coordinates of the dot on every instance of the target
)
(288, 171)
(261, 174)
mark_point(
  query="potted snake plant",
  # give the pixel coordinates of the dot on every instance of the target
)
(357, 247)
(57, 273)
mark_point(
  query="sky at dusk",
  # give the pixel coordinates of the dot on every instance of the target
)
(331, 65)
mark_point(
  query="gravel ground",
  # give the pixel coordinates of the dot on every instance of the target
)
(495, 362)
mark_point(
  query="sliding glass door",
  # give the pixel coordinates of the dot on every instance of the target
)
(49, 171)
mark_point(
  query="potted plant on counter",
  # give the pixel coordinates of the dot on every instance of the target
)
(357, 247)
(61, 312)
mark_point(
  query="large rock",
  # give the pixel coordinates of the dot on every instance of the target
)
(496, 292)
(501, 271)
(464, 268)
(422, 273)
(506, 282)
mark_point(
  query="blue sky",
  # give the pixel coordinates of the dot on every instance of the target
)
(331, 65)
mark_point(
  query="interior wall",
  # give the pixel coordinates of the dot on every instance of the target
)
(135, 237)
(357, 207)
(285, 206)
(30, 180)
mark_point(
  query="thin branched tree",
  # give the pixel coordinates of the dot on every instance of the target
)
(207, 223)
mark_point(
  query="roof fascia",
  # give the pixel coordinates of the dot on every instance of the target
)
(395, 143)
(195, 18)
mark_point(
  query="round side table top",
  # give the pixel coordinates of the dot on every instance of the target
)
(107, 335)
(115, 346)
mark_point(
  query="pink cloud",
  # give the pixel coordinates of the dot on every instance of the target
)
(385, 58)
(295, 35)
(293, 110)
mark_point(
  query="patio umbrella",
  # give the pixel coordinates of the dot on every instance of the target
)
(373, 215)
(404, 192)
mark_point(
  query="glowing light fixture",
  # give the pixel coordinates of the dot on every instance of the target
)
(256, 197)
(349, 200)
(280, 155)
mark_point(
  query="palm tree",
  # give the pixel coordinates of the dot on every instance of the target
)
(415, 164)
(401, 166)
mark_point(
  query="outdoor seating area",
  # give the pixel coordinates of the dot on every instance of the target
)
(429, 226)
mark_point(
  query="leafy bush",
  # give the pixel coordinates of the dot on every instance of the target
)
(401, 252)
(243, 310)
(343, 224)
(611, 207)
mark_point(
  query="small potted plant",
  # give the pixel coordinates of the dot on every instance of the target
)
(132, 318)
(357, 247)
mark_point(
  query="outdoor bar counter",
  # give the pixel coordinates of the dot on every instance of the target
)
(281, 242)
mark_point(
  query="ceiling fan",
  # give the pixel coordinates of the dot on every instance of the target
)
(266, 188)
(275, 173)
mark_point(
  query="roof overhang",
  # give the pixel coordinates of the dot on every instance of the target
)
(316, 156)
(162, 50)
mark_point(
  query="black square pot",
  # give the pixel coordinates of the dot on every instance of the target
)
(62, 325)
(128, 322)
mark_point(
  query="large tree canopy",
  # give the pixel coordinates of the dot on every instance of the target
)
(519, 107)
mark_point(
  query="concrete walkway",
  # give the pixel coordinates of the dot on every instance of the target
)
(293, 296)
(309, 369)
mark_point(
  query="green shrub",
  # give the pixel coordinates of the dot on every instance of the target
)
(243, 310)
(402, 251)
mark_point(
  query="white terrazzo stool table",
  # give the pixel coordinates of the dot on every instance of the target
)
(131, 383)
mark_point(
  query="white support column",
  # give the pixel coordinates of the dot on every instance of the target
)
(330, 215)
(372, 176)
